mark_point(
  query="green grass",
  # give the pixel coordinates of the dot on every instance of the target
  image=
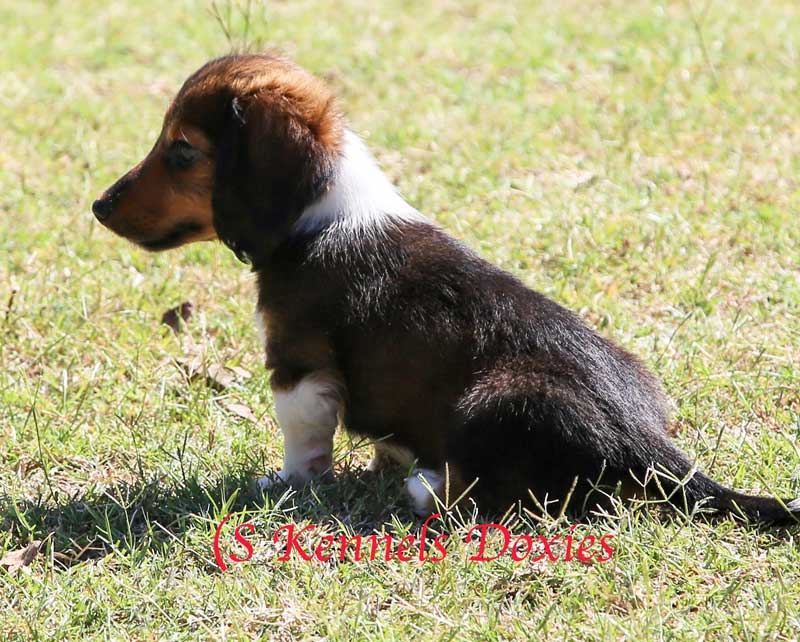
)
(636, 161)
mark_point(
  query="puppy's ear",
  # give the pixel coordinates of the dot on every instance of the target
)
(271, 163)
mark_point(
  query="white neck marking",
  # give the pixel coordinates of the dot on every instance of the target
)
(360, 198)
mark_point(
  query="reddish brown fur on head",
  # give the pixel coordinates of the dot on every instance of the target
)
(248, 142)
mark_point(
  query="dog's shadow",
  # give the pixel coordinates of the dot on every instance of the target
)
(150, 517)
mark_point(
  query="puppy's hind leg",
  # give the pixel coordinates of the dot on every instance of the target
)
(388, 455)
(307, 414)
(526, 447)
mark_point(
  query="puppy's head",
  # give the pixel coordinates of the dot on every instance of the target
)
(247, 144)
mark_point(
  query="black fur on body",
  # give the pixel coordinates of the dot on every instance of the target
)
(456, 360)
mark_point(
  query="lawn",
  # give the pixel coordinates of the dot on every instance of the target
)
(636, 161)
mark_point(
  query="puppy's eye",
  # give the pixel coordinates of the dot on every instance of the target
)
(181, 155)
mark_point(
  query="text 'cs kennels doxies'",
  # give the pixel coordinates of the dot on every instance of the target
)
(376, 317)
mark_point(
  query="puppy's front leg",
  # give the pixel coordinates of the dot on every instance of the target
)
(307, 414)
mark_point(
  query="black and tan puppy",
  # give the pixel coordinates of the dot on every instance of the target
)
(375, 317)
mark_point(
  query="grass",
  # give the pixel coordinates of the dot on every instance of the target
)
(636, 161)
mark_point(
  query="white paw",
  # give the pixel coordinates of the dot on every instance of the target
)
(419, 486)
(273, 479)
(794, 505)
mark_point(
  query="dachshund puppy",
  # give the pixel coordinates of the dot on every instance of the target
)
(374, 317)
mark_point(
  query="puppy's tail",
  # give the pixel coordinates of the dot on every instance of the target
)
(688, 491)
(703, 492)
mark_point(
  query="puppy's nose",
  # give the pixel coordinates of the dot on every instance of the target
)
(102, 208)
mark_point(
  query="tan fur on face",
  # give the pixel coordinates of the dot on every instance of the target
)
(160, 208)
(157, 203)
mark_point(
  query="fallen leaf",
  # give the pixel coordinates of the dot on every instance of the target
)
(15, 560)
(240, 372)
(219, 377)
(215, 376)
(241, 410)
(174, 316)
(580, 180)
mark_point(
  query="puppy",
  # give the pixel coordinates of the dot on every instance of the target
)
(374, 317)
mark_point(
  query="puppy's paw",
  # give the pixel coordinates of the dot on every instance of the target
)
(276, 478)
(421, 486)
(319, 469)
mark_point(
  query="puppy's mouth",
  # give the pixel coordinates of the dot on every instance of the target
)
(175, 237)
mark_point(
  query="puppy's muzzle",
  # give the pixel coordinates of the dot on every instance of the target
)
(103, 207)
